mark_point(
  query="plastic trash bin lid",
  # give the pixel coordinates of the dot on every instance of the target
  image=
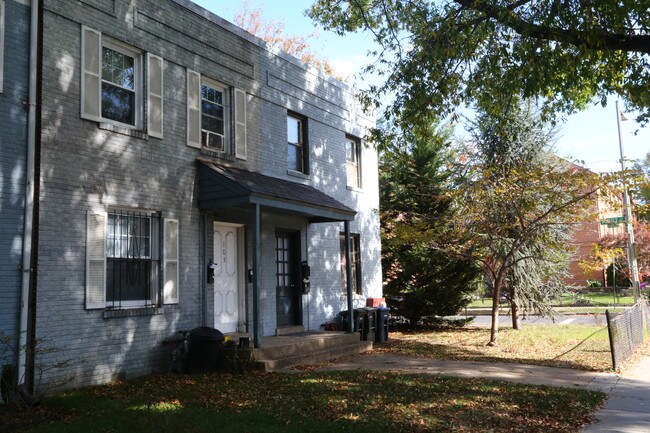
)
(206, 333)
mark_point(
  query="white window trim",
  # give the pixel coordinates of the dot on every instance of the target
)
(193, 109)
(151, 95)
(240, 135)
(170, 295)
(358, 167)
(94, 71)
(137, 55)
(2, 44)
(235, 128)
(227, 114)
(96, 296)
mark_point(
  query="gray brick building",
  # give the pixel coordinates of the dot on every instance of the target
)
(188, 176)
(14, 113)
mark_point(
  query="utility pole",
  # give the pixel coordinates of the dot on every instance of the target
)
(627, 207)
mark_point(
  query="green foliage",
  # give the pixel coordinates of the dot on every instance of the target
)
(518, 203)
(416, 213)
(436, 56)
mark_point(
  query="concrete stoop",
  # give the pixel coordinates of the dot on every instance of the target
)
(291, 350)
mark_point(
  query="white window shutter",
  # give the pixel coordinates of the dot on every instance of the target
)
(240, 124)
(193, 108)
(155, 95)
(91, 79)
(96, 260)
(170, 270)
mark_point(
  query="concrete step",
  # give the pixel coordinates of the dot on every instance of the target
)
(312, 357)
(305, 348)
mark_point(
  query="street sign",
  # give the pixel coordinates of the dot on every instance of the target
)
(614, 220)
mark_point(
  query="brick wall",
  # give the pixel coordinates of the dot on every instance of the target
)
(87, 165)
(13, 139)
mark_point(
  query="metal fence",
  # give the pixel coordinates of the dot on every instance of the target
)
(627, 330)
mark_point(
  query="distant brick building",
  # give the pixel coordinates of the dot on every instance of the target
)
(588, 233)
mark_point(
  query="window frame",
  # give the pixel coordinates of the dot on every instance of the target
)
(353, 166)
(137, 55)
(355, 257)
(165, 245)
(155, 258)
(227, 115)
(301, 145)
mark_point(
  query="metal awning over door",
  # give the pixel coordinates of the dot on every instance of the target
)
(222, 187)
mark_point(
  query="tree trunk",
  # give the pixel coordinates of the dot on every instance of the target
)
(494, 331)
(516, 322)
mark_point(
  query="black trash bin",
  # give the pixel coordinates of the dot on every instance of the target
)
(359, 322)
(369, 324)
(381, 333)
(203, 349)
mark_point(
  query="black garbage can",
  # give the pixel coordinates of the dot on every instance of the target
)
(381, 333)
(369, 324)
(359, 322)
(203, 349)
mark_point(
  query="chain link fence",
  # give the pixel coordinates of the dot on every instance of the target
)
(627, 330)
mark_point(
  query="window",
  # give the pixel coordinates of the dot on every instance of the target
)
(119, 80)
(213, 115)
(132, 258)
(111, 83)
(123, 259)
(355, 258)
(213, 110)
(353, 161)
(296, 143)
(2, 42)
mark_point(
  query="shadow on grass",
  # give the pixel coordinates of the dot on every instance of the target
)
(349, 401)
(465, 347)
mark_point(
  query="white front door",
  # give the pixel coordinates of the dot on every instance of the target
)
(226, 281)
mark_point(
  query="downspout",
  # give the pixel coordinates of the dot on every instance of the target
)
(257, 221)
(29, 194)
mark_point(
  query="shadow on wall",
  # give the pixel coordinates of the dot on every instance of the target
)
(88, 166)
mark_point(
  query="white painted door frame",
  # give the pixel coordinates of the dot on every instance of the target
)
(236, 321)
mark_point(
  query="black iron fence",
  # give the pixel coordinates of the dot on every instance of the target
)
(627, 330)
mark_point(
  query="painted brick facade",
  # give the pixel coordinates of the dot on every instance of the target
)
(13, 160)
(89, 166)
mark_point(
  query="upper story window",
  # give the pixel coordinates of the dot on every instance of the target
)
(297, 143)
(120, 84)
(112, 89)
(353, 161)
(214, 112)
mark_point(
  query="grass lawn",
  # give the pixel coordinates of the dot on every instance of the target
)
(568, 299)
(351, 401)
(573, 346)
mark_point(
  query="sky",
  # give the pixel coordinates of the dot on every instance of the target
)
(590, 136)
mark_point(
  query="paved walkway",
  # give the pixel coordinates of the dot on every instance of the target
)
(627, 409)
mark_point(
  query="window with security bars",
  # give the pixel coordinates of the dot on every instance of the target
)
(132, 258)
(355, 260)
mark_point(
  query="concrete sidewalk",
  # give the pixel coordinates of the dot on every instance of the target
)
(627, 409)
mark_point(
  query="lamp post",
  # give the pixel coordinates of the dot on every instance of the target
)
(627, 207)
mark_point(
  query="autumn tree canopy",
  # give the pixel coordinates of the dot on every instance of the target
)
(437, 55)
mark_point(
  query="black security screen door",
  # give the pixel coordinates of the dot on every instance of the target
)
(288, 294)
